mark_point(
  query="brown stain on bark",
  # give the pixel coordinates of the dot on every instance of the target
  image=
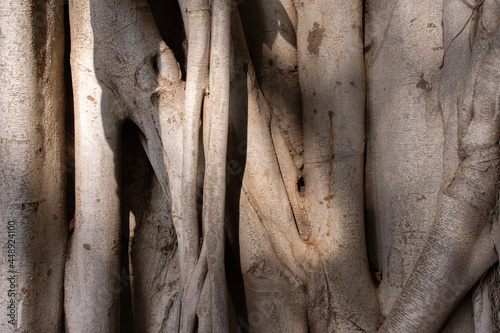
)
(315, 39)
(422, 197)
(330, 171)
(423, 84)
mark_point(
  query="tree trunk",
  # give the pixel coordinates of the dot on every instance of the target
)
(32, 166)
(252, 166)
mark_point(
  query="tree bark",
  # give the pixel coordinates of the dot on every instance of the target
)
(312, 166)
(32, 166)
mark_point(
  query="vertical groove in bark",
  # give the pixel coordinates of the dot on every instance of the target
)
(270, 28)
(193, 293)
(271, 251)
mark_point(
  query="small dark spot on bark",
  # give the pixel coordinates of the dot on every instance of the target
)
(353, 84)
(328, 197)
(86, 247)
(90, 98)
(98, 200)
(49, 272)
(421, 198)
(382, 319)
(24, 291)
(154, 63)
(300, 184)
(212, 260)
(431, 25)
(270, 62)
(120, 57)
(338, 83)
(154, 98)
(315, 39)
(423, 84)
(314, 93)
(315, 111)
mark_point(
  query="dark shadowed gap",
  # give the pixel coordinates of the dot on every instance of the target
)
(369, 214)
(136, 174)
(69, 122)
(235, 169)
(300, 184)
(69, 129)
(252, 18)
(168, 19)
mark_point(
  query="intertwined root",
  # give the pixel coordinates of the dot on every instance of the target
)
(123, 70)
(295, 244)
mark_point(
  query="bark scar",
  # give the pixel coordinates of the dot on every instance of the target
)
(315, 39)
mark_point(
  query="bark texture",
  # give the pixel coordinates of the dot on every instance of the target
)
(32, 166)
(253, 166)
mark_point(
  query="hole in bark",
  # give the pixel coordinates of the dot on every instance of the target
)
(154, 99)
(300, 184)
(154, 63)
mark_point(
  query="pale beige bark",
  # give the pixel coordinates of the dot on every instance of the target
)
(461, 237)
(32, 165)
(403, 42)
(259, 220)
(121, 69)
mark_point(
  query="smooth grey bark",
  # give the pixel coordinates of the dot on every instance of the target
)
(461, 238)
(403, 43)
(34, 227)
